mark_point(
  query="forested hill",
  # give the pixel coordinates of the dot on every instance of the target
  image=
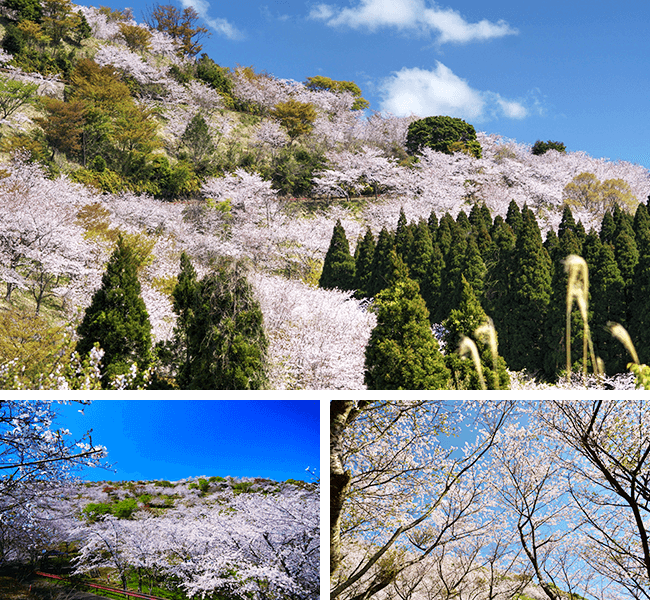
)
(118, 130)
(199, 537)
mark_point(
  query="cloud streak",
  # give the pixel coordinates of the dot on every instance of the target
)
(441, 92)
(448, 24)
(221, 26)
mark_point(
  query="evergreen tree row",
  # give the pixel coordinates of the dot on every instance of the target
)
(514, 276)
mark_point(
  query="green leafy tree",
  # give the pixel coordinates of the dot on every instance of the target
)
(419, 255)
(325, 83)
(338, 268)
(222, 327)
(180, 25)
(138, 39)
(24, 10)
(295, 116)
(443, 134)
(586, 191)
(14, 95)
(117, 317)
(540, 147)
(215, 76)
(402, 352)
(196, 139)
(466, 321)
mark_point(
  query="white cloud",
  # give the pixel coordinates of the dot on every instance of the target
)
(221, 26)
(411, 14)
(441, 92)
(512, 109)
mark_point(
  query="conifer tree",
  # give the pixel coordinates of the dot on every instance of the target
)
(433, 226)
(403, 236)
(514, 218)
(464, 322)
(607, 229)
(447, 230)
(463, 222)
(627, 254)
(381, 265)
(528, 301)
(607, 302)
(117, 318)
(432, 287)
(451, 279)
(555, 335)
(420, 253)
(224, 332)
(497, 285)
(363, 256)
(639, 300)
(338, 268)
(402, 352)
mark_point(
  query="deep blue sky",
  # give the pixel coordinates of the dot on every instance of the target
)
(568, 71)
(186, 438)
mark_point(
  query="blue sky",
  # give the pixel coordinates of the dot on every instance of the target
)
(176, 439)
(556, 70)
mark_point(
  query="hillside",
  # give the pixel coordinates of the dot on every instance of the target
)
(190, 538)
(182, 155)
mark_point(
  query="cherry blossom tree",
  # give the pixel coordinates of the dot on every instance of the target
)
(34, 458)
(395, 487)
(610, 483)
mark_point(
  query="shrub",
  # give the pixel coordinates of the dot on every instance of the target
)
(125, 508)
(95, 510)
(540, 147)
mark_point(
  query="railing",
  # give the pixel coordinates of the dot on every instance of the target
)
(105, 588)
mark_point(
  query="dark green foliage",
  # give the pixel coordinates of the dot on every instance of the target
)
(528, 299)
(381, 265)
(402, 352)
(463, 322)
(403, 235)
(439, 133)
(555, 357)
(432, 289)
(197, 141)
(221, 325)
(607, 229)
(433, 226)
(463, 222)
(639, 305)
(540, 147)
(419, 255)
(293, 170)
(338, 268)
(25, 10)
(513, 217)
(215, 76)
(13, 40)
(117, 318)
(627, 253)
(607, 303)
(447, 230)
(363, 256)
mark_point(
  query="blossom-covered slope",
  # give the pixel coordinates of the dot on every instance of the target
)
(202, 535)
(53, 231)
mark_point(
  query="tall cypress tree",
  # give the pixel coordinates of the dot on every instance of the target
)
(226, 342)
(627, 255)
(363, 256)
(607, 229)
(403, 236)
(338, 268)
(433, 226)
(117, 318)
(447, 230)
(529, 299)
(381, 265)
(514, 218)
(420, 253)
(607, 302)
(463, 322)
(639, 299)
(555, 334)
(402, 352)
(432, 290)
